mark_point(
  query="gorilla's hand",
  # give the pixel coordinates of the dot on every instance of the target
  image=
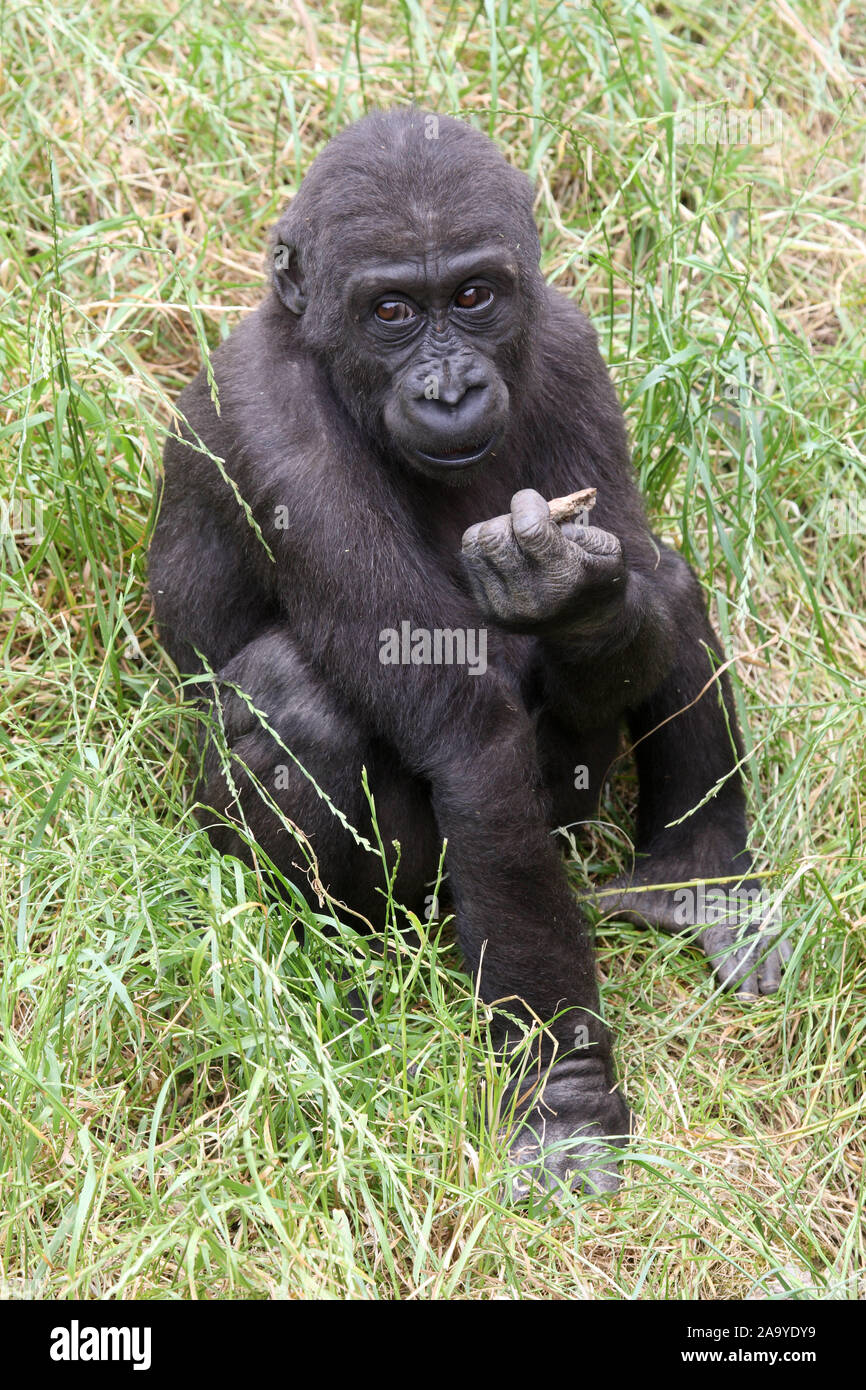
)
(569, 1133)
(529, 574)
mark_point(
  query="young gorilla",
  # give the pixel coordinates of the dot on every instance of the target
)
(408, 382)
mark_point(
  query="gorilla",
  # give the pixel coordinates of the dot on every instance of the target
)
(355, 551)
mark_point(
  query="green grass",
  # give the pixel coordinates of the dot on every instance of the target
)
(187, 1109)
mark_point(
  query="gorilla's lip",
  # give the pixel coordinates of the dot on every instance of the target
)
(459, 459)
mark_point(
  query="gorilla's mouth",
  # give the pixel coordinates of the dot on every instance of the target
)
(459, 458)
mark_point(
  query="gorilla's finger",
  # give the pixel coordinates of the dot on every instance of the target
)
(488, 540)
(535, 532)
(733, 961)
(488, 588)
(591, 539)
(770, 973)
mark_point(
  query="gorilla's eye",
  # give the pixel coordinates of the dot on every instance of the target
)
(473, 297)
(394, 311)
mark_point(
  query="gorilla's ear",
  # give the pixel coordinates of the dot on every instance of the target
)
(288, 277)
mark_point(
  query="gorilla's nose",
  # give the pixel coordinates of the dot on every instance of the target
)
(458, 409)
(451, 390)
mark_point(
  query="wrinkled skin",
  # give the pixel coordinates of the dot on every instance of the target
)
(530, 574)
(394, 415)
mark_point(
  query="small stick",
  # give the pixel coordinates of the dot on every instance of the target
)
(564, 508)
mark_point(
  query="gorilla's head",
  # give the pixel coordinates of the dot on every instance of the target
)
(410, 257)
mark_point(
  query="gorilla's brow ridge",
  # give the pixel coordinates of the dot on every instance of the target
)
(430, 269)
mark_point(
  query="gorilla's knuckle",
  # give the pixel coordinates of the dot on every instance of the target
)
(535, 534)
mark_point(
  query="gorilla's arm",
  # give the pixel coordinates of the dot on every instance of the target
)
(619, 640)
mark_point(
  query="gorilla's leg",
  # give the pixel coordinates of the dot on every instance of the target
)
(692, 812)
(308, 718)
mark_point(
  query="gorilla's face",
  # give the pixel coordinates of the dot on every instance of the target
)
(411, 264)
(433, 330)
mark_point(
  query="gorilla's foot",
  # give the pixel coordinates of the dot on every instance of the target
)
(731, 921)
(569, 1134)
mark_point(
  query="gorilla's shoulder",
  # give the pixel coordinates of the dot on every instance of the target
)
(566, 321)
(569, 346)
(255, 396)
(261, 358)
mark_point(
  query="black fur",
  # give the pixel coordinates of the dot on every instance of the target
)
(330, 436)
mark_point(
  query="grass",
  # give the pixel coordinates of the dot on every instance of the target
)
(187, 1109)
